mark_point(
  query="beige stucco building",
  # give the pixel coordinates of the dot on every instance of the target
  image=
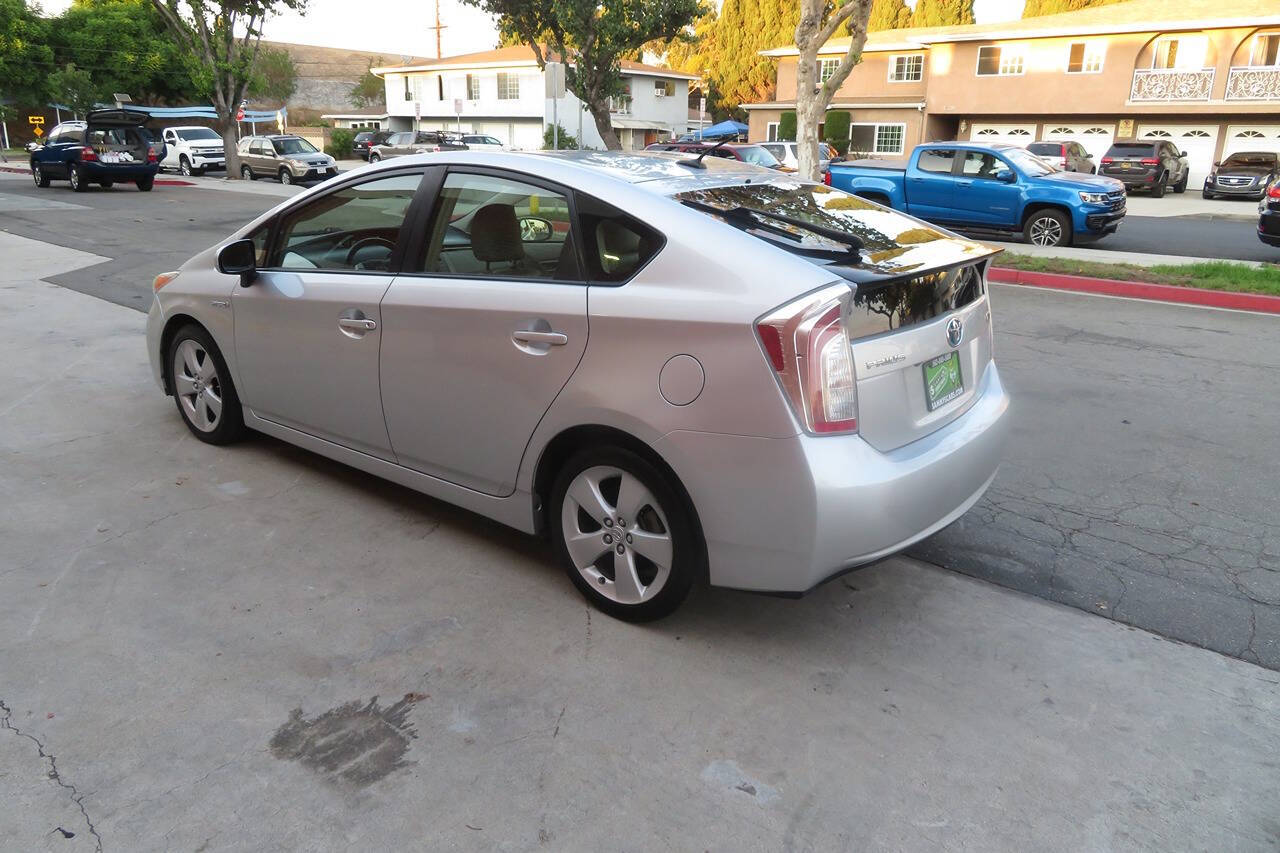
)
(1204, 73)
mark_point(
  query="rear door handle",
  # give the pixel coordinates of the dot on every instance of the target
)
(525, 336)
(357, 325)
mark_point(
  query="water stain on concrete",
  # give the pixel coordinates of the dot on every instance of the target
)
(357, 743)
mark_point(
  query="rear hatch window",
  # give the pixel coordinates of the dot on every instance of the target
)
(1131, 150)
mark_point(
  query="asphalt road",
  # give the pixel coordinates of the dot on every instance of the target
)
(1194, 236)
(1140, 482)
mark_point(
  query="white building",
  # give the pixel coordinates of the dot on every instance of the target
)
(502, 93)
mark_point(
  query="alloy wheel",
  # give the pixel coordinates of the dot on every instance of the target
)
(197, 385)
(185, 167)
(286, 177)
(246, 173)
(1046, 231)
(617, 534)
(35, 174)
(74, 178)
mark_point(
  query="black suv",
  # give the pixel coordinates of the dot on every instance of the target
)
(1147, 165)
(366, 139)
(1244, 174)
(1269, 215)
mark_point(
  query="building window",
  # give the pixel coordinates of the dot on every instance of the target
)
(473, 87)
(827, 69)
(771, 132)
(908, 68)
(870, 138)
(1085, 57)
(664, 88)
(508, 86)
(1266, 50)
(1000, 61)
(1182, 52)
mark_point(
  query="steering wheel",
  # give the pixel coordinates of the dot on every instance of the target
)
(367, 241)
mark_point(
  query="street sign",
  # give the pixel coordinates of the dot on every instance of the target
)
(35, 119)
(702, 104)
(554, 77)
(417, 115)
(39, 132)
(457, 106)
(240, 114)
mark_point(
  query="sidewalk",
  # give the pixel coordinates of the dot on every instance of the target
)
(1084, 253)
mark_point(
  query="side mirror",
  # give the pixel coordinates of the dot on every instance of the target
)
(239, 258)
(1182, 154)
(1006, 176)
(534, 229)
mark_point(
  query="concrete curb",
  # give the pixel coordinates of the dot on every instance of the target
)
(1139, 290)
(160, 182)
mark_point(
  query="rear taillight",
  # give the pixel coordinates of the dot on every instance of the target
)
(1107, 161)
(151, 156)
(1150, 161)
(88, 154)
(1274, 192)
(826, 178)
(807, 345)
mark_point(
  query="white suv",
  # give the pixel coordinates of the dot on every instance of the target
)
(192, 150)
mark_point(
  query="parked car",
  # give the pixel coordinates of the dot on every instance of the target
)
(990, 188)
(192, 150)
(1153, 165)
(751, 153)
(409, 142)
(107, 148)
(1067, 156)
(366, 139)
(1245, 174)
(814, 370)
(1269, 215)
(482, 142)
(788, 154)
(289, 159)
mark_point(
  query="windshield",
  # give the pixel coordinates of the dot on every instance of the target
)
(1251, 158)
(1049, 149)
(1030, 164)
(190, 133)
(293, 145)
(757, 156)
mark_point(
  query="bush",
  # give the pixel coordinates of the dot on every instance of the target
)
(339, 145)
(787, 126)
(836, 131)
(567, 140)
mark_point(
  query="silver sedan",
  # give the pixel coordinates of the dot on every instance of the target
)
(680, 370)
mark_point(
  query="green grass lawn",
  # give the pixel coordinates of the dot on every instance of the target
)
(1210, 275)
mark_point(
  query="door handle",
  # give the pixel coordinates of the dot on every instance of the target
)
(357, 325)
(964, 183)
(526, 336)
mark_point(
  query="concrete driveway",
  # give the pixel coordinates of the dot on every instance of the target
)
(252, 648)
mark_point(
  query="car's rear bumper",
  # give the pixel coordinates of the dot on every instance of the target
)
(98, 171)
(783, 515)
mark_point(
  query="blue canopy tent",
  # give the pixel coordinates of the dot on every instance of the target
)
(723, 129)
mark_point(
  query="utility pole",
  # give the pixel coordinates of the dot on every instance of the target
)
(438, 27)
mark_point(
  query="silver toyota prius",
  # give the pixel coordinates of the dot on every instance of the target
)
(678, 369)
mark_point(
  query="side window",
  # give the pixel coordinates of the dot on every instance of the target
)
(979, 164)
(496, 227)
(354, 228)
(616, 245)
(936, 160)
(260, 238)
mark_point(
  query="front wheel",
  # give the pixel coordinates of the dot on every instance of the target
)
(1048, 228)
(184, 166)
(78, 183)
(374, 158)
(38, 175)
(623, 534)
(1207, 194)
(1181, 186)
(202, 387)
(286, 177)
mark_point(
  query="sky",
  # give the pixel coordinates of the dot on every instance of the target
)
(400, 27)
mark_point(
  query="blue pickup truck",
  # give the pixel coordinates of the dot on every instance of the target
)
(989, 188)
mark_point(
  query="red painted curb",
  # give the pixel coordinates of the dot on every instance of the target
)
(160, 182)
(1140, 290)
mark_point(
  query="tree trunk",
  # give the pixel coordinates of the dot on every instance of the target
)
(604, 123)
(809, 113)
(818, 23)
(230, 145)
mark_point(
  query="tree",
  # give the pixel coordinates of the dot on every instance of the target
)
(25, 57)
(223, 37)
(369, 90)
(1034, 8)
(818, 22)
(591, 38)
(942, 13)
(275, 78)
(75, 88)
(123, 44)
(889, 15)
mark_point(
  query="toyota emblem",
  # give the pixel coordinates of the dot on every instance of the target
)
(955, 331)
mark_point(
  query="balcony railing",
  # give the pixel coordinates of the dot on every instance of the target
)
(1171, 84)
(1253, 84)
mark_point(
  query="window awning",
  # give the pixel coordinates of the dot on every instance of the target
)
(638, 124)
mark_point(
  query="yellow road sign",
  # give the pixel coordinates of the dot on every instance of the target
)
(35, 119)
(38, 132)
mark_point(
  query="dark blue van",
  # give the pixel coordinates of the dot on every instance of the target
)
(110, 146)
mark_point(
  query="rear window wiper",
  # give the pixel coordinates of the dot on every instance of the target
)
(749, 217)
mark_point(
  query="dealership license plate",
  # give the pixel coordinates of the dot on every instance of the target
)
(942, 382)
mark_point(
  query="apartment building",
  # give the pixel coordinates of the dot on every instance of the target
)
(502, 93)
(1204, 74)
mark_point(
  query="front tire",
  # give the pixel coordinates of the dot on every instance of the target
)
(1207, 194)
(375, 158)
(1047, 227)
(38, 175)
(286, 177)
(202, 388)
(623, 534)
(184, 166)
(78, 182)
(1181, 186)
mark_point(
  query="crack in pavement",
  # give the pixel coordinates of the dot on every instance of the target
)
(6, 722)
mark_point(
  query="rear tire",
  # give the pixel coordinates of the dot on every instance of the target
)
(38, 175)
(1181, 186)
(106, 185)
(374, 158)
(1158, 188)
(658, 546)
(1047, 227)
(286, 177)
(246, 174)
(78, 183)
(145, 184)
(202, 388)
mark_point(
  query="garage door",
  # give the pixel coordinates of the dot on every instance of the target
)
(1251, 137)
(1200, 141)
(1014, 134)
(1096, 138)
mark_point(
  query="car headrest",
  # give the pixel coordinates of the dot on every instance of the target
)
(495, 234)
